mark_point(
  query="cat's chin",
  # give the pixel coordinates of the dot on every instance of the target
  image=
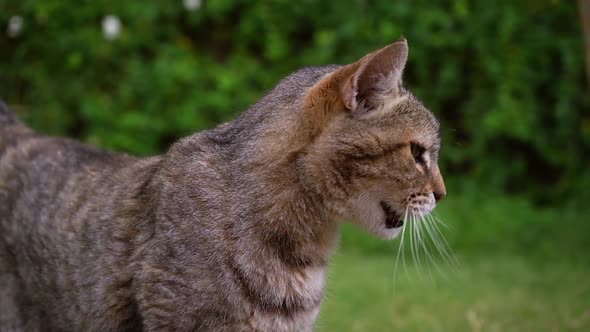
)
(379, 228)
(378, 218)
(386, 233)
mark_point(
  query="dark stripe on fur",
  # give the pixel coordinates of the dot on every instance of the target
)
(286, 248)
(362, 154)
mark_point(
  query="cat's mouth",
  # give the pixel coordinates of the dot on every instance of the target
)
(392, 218)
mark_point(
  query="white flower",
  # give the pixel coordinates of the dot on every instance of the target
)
(111, 27)
(15, 26)
(192, 5)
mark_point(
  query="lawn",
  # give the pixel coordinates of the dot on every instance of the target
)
(521, 268)
(492, 293)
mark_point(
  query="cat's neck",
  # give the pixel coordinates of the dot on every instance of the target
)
(282, 242)
(288, 221)
(273, 205)
(269, 233)
(252, 168)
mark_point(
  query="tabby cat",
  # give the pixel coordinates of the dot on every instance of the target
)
(232, 228)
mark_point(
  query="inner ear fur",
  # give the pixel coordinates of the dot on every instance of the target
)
(379, 74)
(355, 86)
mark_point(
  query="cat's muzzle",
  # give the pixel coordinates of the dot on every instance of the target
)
(392, 218)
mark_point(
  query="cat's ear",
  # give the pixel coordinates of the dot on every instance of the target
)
(378, 75)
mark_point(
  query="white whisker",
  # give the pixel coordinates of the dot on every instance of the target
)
(435, 237)
(412, 226)
(425, 235)
(401, 245)
(423, 231)
(416, 226)
(433, 241)
(444, 245)
(436, 217)
(419, 233)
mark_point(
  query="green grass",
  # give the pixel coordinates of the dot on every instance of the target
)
(495, 293)
(522, 268)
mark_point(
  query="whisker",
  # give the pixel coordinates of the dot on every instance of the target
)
(425, 235)
(424, 242)
(435, 238)
(437, 218)
(416, 226)
(421, 264)
(412, 231)
(445, 245)
(401, 245)
(421, 237)
(432, 242)
(418, 240)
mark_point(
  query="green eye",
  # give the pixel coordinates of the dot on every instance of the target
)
(417, 152)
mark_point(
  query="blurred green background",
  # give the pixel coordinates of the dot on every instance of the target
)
(506, 79)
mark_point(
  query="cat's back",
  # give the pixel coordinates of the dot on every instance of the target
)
(38, 169)
(65, 238)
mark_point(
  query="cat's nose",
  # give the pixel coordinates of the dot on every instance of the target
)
(438, 195)
(438, 184)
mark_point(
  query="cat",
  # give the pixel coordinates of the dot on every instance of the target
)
(232, 228)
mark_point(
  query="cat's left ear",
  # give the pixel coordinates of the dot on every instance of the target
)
(378, 75)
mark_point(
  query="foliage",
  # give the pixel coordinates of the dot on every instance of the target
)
(506, 79)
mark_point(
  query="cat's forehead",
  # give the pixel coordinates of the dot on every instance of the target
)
(405, 113)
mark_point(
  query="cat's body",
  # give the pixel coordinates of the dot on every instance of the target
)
(230, 230)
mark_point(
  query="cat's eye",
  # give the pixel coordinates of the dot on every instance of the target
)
(417, 152)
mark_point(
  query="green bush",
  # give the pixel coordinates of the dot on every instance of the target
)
(506, 78)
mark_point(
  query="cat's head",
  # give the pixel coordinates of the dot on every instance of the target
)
(374, 152)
